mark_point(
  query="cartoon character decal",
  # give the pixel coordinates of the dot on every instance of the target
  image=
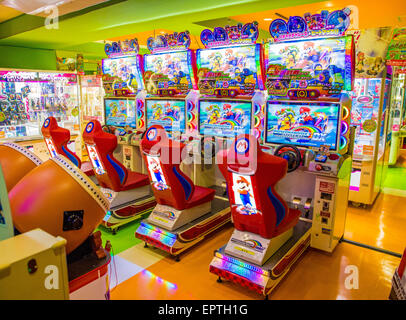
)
(94, 158)
(156, 174)
(243, 195)
(51, 147)
(286, 119)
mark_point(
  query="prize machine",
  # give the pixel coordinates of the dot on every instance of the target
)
(189, 207)
(396, 126)
(27, 98)
(292, 192)
(92, 103)
(122, 82)
(369, 115)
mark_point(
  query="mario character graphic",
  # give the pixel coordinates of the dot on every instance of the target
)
(243, 190)
(305, 116)
(318, 120)
(157, 175)
(228, 111)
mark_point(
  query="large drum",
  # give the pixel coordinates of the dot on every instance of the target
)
(16, 162)
(60, 199)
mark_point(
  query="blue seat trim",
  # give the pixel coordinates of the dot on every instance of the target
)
(70, 156)
(120, 171)
(185, 184)
(277, 204)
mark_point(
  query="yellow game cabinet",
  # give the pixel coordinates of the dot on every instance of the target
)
(33, 267)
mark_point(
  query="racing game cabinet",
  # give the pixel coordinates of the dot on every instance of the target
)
(258, 212)
(185, 213)
(129, 192)
(174, 191)
(56, 139)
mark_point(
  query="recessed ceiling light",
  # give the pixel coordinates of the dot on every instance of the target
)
(268, 19)
(329, 4)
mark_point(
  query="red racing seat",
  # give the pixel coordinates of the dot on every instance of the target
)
(171, 186)
(56, 139)
(109, 171)
(251, 176)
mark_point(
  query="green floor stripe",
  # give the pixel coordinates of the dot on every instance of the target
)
(123, 239)
(395, 178)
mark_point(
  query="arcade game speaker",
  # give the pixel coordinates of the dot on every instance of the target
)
(16, 162)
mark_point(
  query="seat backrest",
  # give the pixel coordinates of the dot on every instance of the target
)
(251, 176)
(100, 146)
(56, 139)
(163, 157)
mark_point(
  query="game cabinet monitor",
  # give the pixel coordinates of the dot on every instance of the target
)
(224, 118)
(120, 112)
(305, 124)
(169, 113)
(125, 75)
(168, 71)
(233, 67)
(323, 66)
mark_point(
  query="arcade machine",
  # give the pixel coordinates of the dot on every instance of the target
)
(92, 102)
(369, 115)
(128, 192)
(65, 225)
(292, 192)
(170, 82)
(16, 161)
(122, 83)
(397, 129)
(188, 207)
(56, 139)
(231, 83)
(27, 98)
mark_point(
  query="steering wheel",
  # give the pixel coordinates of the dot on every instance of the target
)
(108, 129)
(291, 154)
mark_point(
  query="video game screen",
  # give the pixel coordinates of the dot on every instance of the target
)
(119, 112)
(303, 124)
(224, 118)
(126, 70)
(174, 66)
(168, 113)
(230, 67)
(323, 63)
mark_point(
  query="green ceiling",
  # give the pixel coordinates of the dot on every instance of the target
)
(78, 31)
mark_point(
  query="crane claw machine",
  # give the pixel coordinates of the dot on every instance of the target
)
(28, 97)
(369, 116)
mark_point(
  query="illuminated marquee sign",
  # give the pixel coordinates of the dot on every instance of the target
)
(228, 36)
(169, 42)
(322, 24)
(122, 48)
